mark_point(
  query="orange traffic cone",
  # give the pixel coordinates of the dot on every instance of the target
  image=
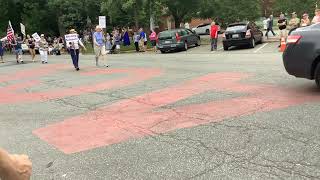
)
(283, 45)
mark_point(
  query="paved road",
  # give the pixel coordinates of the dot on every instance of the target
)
(194, 115)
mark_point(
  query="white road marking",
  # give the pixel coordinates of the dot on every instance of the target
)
(261, 48)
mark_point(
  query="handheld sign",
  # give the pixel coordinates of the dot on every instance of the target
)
(23, 29)
(36, 37)
(71, 39)
(102, 22)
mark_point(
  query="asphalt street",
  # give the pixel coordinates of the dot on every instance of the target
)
(186, 115)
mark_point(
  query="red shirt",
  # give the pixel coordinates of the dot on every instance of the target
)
(214, 31)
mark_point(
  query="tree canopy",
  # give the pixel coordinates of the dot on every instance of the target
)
(56, 16)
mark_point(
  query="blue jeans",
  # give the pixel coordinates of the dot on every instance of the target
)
(75, 57)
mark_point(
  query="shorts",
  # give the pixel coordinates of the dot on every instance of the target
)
(100, 51)
(153, 43)
(283, 33)
(18, 51)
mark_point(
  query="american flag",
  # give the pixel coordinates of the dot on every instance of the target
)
(10, 33)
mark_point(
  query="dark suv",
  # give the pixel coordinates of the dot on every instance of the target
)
(177, 39)
(245, 33)
(302, 55)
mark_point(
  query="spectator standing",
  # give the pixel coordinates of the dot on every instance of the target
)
(43, 49)
(126, 38)
(2, 48)
(143, 39)
(136, 37)
(270, 26)
(153, 40)
(74, 48)
(99, 46)
(316, 18)
(305, 21)
(214, 36)
(294, 22)
(282, 24)
(31, 44)
(108, 42)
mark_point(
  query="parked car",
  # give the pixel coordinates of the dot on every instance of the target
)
(177, 39)
(203, 29)
(302, 55)
(245, 33)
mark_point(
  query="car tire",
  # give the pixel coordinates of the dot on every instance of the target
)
(162, 52)
(225, 47)
(185, 48)
(253, 43)
(198, 42)
(317, 75)
(208, 32)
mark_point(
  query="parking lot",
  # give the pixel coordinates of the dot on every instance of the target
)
(193, 114)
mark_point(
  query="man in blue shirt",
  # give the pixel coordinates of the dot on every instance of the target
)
(143, 39)
(99, 45)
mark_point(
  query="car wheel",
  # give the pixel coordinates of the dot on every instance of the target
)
(317, 75)
(253, 43)
(208, 31)
(185, 46)
(162, 51)
(225, 47)
(198, 42)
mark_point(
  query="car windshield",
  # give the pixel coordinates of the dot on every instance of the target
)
(236, 27)
(166, 35)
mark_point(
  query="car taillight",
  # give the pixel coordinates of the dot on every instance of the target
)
(178, 38)
(248, 34)
(293, 39)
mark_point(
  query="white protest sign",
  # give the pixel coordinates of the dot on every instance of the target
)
(23, 29)
(102, 22)
(36, 37)
(71, 38)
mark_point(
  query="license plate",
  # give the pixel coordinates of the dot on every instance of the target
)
(173, 45)
(167, 42)
(235, 36)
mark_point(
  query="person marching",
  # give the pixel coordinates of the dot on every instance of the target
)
(2, 48)
(17, 44)
(214, 36)
(43, 44)
(31, 44)
(74, 50)
(99, 45)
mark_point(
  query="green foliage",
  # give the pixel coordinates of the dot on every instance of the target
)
(181, 10)
(298, 6)
(228, 11)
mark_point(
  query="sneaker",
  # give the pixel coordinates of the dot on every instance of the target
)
(77, 69)
(46, 62)
(106, 66)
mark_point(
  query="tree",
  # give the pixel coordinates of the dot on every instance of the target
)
(181, 10)
(289, 6)
(4, 4)
(229, 11)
